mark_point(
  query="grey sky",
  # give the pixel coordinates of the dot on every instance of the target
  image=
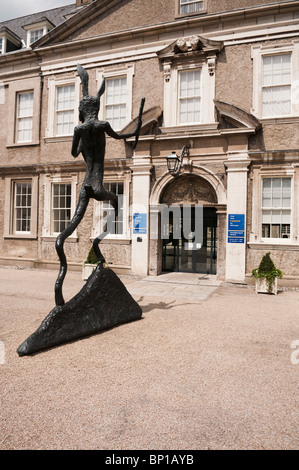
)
(14, 8)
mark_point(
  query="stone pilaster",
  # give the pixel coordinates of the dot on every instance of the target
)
(237, 169)
(141, 173)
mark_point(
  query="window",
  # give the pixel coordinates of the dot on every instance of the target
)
(36, 34)
(36, 30)
(275, 82)
(9, 41)
(118, 222)
(189, 93)
(276, 207)
(190, 6)
(22, 207)
(119, 229)
(24, 117)
(65, 103)
(61, 206)
(20, 210)
(276, 87)
(23, 112)
(189, 96)
(115, 102)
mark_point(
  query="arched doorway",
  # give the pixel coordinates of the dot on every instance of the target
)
(191, 200)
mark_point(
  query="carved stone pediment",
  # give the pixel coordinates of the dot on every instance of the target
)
(191, 46)
(189, 189)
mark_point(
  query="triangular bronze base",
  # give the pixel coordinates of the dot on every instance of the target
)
(102, 303)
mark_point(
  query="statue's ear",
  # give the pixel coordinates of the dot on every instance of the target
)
(101, 89)
(84, 79)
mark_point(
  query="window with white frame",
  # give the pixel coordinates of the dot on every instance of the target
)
(115, 101)
(35, 34)
(24, 117)
(275, 81)
(23, 111)
(22, 191)
(117, 224)
(190, 6)
(119, 227)
(276, 85)
(1, 45)
(189, 96)
(63, 104)
(65, 109)
(276, 207)
(36, 30)
(61, 206)
(20, 210)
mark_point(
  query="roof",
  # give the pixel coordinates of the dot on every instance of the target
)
(56, 16)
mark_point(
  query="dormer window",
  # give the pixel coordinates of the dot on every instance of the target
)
(8, 41)
(36, 34)
(37, 30)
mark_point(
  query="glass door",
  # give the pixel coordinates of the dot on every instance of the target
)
(184, 254)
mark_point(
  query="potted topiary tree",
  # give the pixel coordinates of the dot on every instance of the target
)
(266, 276)
(89, 265)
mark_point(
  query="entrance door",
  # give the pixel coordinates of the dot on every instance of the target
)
(182, 254)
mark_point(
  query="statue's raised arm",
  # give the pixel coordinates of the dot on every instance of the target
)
(135, 133)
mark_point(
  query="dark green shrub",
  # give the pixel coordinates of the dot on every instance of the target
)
(267, 270)
(266, 264)
(91, 258)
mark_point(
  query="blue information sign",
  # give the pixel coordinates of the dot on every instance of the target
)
(236, 228)
(236, 221)
(139, 222)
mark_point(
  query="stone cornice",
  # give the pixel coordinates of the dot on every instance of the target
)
(46, 45)
(60, 167)
(90, 12)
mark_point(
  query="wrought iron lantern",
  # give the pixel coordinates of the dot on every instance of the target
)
(174, 161)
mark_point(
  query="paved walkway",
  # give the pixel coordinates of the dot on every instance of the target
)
(207, 367)
(175, 285)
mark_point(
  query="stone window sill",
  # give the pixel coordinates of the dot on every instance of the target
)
(53, 239)
(179, 16)
(274, 245)
(23, 144)
(63, 138)
(115, 241)
(21, 236)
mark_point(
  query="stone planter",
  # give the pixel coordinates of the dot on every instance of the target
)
(262, 287)
(87, 269)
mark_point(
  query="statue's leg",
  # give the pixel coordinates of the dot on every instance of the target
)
(79, 213)
(107, 196)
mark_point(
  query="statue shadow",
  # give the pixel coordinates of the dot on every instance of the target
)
(160, 305)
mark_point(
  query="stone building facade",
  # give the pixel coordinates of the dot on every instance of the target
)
(220, 77)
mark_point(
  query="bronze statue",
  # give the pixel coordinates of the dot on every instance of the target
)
(90, 140)
(103, 302)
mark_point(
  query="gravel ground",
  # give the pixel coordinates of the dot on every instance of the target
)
(210, 374)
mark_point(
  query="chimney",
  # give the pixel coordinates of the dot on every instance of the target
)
(80, 3)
